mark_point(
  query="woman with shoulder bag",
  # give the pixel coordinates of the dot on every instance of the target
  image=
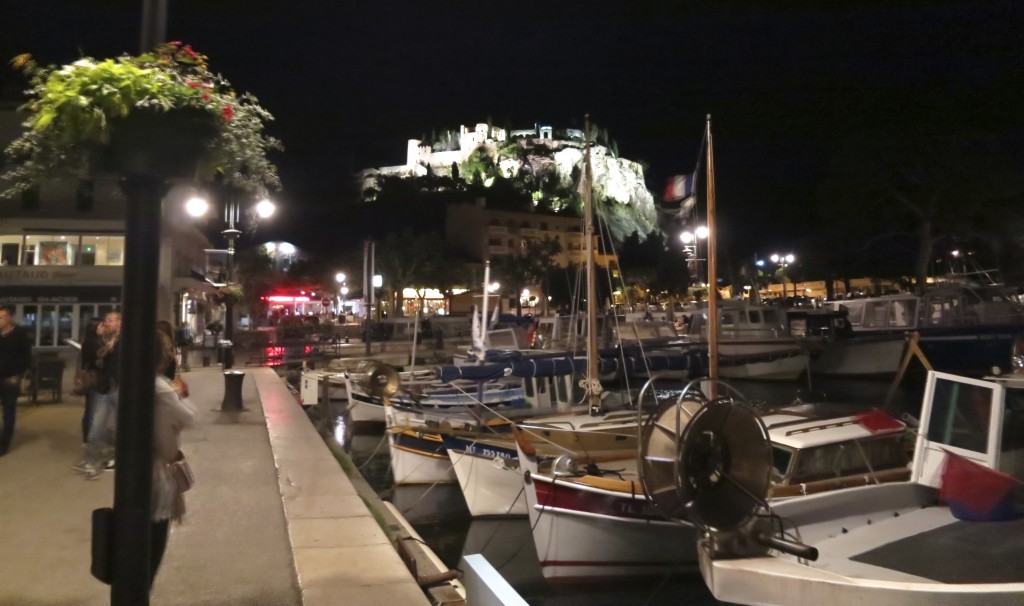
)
(172, 414)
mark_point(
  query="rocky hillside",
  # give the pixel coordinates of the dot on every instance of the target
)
(552, 169)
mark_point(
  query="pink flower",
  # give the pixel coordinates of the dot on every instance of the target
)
(193, 84)
(228, 112)
(206, 96)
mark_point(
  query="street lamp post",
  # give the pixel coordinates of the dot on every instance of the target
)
(784, 261)
(232, 209)
(342, 291)
(691, 241)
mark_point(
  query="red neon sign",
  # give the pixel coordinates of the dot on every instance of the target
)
(287, 299)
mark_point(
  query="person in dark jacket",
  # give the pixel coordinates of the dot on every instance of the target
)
(15, 359)
(90, 344)
(102, 428)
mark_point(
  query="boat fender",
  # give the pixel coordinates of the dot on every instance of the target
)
(803, 489)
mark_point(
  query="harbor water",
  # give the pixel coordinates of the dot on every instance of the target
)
(439, 514)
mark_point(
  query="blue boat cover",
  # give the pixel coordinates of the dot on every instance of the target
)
(550, 366)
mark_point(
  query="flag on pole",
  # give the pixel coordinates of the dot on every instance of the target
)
(679, 187)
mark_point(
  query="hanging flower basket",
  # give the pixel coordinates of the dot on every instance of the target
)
(229, 293)
(161, 114)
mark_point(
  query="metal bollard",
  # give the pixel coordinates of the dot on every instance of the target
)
(233, 380)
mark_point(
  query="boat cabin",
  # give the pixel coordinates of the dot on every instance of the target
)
(811, 455)
(741, 320)
(940, 306)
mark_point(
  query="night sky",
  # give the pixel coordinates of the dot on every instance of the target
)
(785, 82)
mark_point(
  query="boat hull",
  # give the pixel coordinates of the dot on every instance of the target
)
(418, 458)
(489, 477)
(867, 356)
(787, 366)
(583, 532)
(857, 523)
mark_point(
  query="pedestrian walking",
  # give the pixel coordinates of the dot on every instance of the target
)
(171, 475)
(87, 364)
(99, 452)
(184, 339)
(15, 359)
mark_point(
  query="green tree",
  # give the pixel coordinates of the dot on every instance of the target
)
(526, 267)
(254, 269)
(408, 260)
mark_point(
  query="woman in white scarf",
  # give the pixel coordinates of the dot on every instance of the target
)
(172, 414)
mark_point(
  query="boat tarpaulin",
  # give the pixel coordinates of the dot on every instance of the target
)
(516, 367)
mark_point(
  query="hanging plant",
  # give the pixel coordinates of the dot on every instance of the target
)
(161, 113)
(228, 293)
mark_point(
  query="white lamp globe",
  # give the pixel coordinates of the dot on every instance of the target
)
(196, 206)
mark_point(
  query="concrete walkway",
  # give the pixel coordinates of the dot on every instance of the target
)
(273, 520)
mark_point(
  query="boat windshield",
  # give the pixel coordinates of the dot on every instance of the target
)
(848, 458)
(960, 415)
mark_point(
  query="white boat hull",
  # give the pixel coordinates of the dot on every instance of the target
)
(860, 357)
(490, 480)
(365, 412)
(787, 367)
(602, 533)
(874, 516)
(417, 459)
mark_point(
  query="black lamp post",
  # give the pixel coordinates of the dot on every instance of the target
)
(232, 218)
(784, 261)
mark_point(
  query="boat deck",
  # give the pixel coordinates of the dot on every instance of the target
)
(960, 552)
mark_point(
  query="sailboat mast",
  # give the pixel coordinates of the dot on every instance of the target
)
(483, 314)
(712, 269)
(593, 387)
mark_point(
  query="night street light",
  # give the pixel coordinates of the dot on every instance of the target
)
(784, 261)
(197, 206)
(342, 291)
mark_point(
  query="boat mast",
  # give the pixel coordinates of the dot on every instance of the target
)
(592, 386)
(712, 269)
(483, 313)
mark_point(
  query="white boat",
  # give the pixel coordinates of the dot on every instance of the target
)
(962, 328)
(599, 519)
(323, 386)
(415, 412)
(488, 468)
(917, 542)
(753, 341)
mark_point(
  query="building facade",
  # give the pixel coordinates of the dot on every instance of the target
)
(62, 255)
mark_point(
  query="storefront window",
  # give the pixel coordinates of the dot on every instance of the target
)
(10, 250)
(30, 319)
(66, 249)
(103, 250)
(51, 249)
(65, 324)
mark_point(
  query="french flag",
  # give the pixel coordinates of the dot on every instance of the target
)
(679, 187)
